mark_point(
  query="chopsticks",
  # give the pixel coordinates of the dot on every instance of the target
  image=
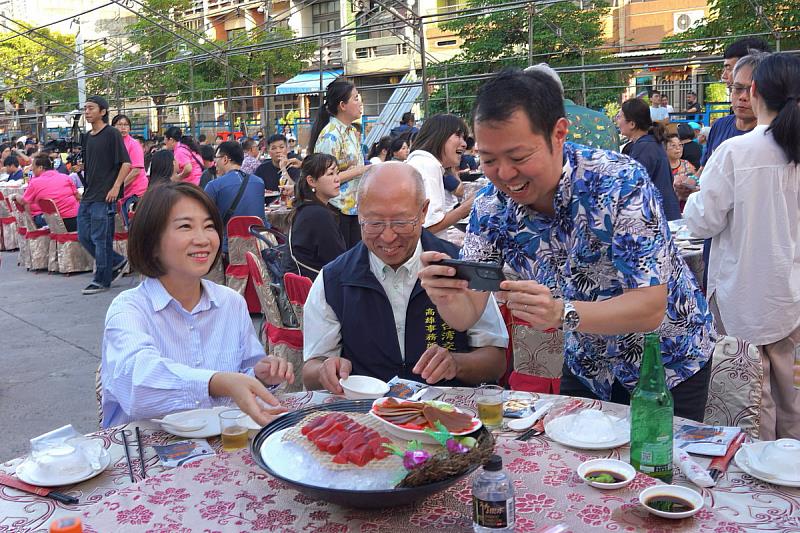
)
(128, 453)
(141, 451)
(720, 464)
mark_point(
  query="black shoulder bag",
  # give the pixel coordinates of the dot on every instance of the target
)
(229, 213)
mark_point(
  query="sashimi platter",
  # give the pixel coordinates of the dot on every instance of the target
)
(366, 453)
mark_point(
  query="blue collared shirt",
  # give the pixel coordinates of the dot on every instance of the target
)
(158, 358)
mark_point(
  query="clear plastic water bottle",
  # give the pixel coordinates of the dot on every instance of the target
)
(492, 498)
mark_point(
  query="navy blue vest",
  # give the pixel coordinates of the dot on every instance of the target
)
(369, 332)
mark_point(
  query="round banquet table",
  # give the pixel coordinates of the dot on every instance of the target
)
(228, 492)
(278, 217)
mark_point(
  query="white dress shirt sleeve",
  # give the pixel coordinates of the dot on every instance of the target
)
(490, 329)
(706, 211)
(322, 332)
(253, 350)
(134, 373)
(432, 174)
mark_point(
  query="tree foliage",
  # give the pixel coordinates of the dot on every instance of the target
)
(209, 78)
(729, 19)
(562, 33)
(44, 56)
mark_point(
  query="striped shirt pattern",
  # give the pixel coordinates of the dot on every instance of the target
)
(158, 358)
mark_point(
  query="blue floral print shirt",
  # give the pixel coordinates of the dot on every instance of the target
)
(608, 234)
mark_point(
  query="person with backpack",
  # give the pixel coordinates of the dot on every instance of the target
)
(235, 192)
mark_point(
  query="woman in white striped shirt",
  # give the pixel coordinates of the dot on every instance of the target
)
(177, 341)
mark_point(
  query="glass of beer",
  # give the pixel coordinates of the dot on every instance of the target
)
(234, 429)
(489, 399)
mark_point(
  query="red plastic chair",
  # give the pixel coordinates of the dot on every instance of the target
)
(71, 256)
(297, 289)
(237, 276)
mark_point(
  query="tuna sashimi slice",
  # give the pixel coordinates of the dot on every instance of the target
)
(361, 455)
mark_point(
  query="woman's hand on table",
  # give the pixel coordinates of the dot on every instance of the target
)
(246, 391)
(274, 370)
(534, 303)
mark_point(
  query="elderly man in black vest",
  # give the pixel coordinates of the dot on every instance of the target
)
(367, 313)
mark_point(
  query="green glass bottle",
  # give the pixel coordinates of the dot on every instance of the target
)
(652, 410)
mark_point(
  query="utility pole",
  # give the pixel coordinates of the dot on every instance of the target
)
(80, 71)
(423, 64)
(531, 12)
(229, 103)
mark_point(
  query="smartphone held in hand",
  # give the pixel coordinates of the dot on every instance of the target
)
(481, 276)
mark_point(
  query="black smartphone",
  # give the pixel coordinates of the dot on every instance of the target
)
(481, 276)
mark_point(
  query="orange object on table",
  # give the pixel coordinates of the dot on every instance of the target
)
(66, 525)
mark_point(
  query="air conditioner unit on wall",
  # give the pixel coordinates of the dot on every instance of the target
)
(683, 20)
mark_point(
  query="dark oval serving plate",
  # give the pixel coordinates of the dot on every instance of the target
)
(362, 499)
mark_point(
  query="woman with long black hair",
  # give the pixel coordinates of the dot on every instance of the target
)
(314, 237)
(333, 133)
(647, 147)
(749, 206)
(187, 154)
(163, 168)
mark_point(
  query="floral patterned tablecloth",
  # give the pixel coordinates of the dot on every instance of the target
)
(228, 492)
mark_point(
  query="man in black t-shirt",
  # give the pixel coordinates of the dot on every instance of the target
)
(270, 171)
(106, 163)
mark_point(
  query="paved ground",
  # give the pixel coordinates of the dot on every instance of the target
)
(50, 338)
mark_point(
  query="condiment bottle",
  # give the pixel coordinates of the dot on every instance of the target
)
(492, 498)
(652, 410)
(66, 525)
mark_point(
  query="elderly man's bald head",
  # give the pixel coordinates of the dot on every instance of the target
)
(395, 176)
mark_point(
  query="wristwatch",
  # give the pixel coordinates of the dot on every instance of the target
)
(570, 320)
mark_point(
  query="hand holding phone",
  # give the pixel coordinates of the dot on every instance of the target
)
(481, 276)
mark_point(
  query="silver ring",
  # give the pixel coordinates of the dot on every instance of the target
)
(525, 308)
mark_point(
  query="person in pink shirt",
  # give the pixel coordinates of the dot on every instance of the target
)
(51, 184)
(135, 183)
(187, 154)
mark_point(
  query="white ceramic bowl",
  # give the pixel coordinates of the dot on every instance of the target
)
(62, 462)
(684, 493)
(363, 388)
(619, 468)
(780, 459)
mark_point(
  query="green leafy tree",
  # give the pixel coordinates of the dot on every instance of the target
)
(45, 56)
(186, 81)
(562, 34)
(728, 19)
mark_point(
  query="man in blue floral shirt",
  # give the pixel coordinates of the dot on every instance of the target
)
(585, 231)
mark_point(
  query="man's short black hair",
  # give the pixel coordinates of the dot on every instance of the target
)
(233, 150)
(742, 47)
(248, 145)
(102, 103)
(10, 161)
(201, 137)
(275, 138)
(408, 118)
(535, 93)
(692, 93)
(207, 152)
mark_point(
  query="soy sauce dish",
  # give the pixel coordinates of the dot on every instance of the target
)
(606, 473)
(671, 501)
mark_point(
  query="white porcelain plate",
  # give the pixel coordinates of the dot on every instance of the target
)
(557, 430)
(211, 418)
(744, 461)
(29, 472)
(420, 435)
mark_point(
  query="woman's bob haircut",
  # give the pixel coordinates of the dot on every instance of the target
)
(151, 219)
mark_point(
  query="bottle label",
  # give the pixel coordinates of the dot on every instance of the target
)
(493, 514)
(656, 457)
